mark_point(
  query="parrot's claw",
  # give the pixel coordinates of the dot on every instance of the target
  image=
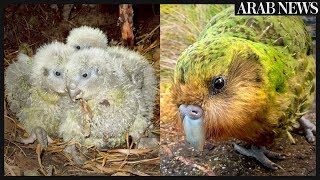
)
(309, 129)
(39, 134)
(75, 155)
(262, 155)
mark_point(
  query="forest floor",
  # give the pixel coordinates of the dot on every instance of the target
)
(178, 158)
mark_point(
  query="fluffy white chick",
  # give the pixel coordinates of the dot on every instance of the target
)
(86, 37)
(17, 82)
(41, 116)
(142, 75)
(138, 68)
(116, 103)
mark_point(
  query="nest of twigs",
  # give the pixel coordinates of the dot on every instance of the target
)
(20, 159)
(27, 27)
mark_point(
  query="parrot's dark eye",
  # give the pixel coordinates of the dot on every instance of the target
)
(78, 47)
(217, 84)
(87, 74)
(57, 73)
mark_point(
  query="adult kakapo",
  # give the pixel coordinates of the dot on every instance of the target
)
(246, 77)
(41, 115)
(115, 103)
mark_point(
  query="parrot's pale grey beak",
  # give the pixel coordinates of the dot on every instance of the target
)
(74, 92)
(193, 124)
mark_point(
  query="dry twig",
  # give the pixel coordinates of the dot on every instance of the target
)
(188, 162)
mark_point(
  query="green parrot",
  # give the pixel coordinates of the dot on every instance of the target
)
(246, 77)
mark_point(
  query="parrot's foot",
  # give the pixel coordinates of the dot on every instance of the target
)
(261, 154)
(75, 155)
(38, 133)
(148, 143)
(308, 128)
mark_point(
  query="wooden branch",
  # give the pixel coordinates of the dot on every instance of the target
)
(126, 24)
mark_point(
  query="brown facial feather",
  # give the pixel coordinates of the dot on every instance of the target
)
(239, 110)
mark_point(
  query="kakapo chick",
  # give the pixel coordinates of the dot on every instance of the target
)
(17, 82)
(246, 77)
(41, 116)
(86, 37)
(17, 74)
(141, 74)
(140, 70)
(116, 104)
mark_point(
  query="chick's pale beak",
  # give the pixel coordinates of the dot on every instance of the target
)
(193, 124)
(73, 91)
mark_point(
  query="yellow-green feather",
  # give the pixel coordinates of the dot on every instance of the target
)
(284, 53)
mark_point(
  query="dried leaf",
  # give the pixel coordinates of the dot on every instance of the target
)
(87, 116)
(105, 169)
(104, 161)
(121, 174)
(130, 151)
(39, 151)
(151, 161)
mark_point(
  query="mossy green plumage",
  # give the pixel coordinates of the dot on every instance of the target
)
(34, 92)
(269, 69)
(44, 111)
(287, 33)
(187, 20)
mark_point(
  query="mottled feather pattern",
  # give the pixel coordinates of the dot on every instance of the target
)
(118, 102)
(19, 72)
(269, 72)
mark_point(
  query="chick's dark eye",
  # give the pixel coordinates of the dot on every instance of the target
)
(78, 47)
(84, 75)
(218, 83)
(58, 73)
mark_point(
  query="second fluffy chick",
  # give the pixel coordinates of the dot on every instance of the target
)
(86, 37)
(48, 96)
(118, 105)
(17, 82)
